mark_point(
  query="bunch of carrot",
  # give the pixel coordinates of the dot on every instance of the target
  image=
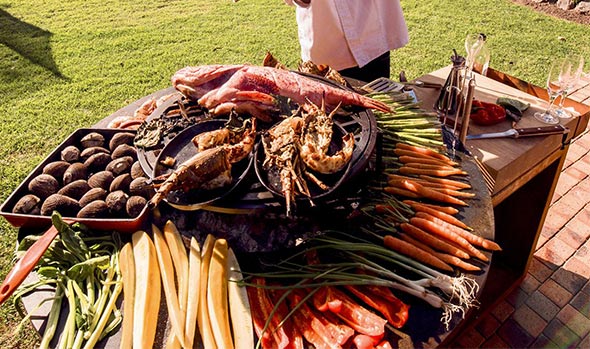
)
(423, 173)
(433, 235)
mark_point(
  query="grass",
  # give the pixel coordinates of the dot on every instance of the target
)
(68, 64)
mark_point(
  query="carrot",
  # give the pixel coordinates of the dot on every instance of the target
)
(446, 209)
(400, 191)
(422, 150)
(451, 192)
(467, 235)
(393, 181)
(414, 252)
(431, 172)
(448, 181)
(430, 166)
(447, 258)
(433, 241)
(420, 207)
(404, 152)
(430, 193)
(448, 234)
(409, 159)
(424, 182)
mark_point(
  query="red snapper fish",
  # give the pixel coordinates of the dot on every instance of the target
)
(252, 89)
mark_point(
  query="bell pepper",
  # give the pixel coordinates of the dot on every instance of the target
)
(484, 113)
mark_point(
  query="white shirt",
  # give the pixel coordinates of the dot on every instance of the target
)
(348, 33)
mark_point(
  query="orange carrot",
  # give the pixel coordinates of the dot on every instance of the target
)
(430, 166)
(420, 207)
(448, 234)
(422, 150)
(429, 193)
(451, 192)
(391, 181)
(433, 241)
(403, 152)
(412, 251)
(467, 235)
(446, 209)
(400, 191)
(447, 258)
(449, 181)
(409, 159)
(431, 172)
(426, 182)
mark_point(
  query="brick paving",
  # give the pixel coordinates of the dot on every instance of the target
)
(551, 307)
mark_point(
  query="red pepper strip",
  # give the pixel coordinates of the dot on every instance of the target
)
(263, 304)
(341, 332)
(382, 300)
(309, 325)
(357, 317)
(484, 113)
(259, 319)
(322, 303)
(384, 345)
(362, 341)
(295, 341)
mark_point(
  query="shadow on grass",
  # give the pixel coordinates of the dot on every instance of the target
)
(29, 41)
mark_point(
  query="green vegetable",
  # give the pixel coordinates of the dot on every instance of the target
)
(512, 102)
(85, 270)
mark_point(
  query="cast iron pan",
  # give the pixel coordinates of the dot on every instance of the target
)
(271, 181)
(181, 149)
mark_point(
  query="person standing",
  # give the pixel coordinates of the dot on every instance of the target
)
(354, 37)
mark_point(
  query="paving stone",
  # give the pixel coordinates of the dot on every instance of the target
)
(566, 182)
(574, 320)
(584, 215)
(580, 232)
(585, 343)
(470, 339)
(495, 342)
(581, 302)
(529, 320)
(517, 297)
(543, 342)
(542, 305)
(561, 334)
(514, 335)
(557, 294)
(529, 284)
(555, 251)
(503, 310)
(576, 151)
(568, 280)
(541, 241)
(539, 270)
(487, 325)
(578, 266)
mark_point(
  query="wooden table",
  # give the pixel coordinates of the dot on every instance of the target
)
(523, 173)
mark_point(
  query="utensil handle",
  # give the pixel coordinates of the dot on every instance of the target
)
(543, 130)
(25, 265)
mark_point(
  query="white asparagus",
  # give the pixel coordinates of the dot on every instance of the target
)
(167, 272)
(147, 291)
(127, 266)
(203, 313)
(194, 284)
(239, 306)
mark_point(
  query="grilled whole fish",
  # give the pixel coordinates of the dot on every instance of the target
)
(252, 89)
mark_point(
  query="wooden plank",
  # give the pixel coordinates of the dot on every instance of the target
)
(507, 159)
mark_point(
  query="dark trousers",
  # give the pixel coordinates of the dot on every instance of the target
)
(379, 67)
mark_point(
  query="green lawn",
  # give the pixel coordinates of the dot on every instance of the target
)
(67, 64)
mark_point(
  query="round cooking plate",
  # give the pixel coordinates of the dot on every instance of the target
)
(271, 180)
(181, 148)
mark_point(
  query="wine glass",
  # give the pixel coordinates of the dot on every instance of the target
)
(571, 72)
(473, 44)
(555, 86)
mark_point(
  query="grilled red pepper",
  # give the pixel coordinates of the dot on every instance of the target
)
(484, 113)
